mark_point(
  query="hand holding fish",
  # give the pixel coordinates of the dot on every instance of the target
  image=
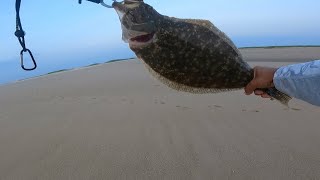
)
(263, 78)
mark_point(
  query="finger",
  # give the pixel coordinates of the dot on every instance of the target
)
(250, 87)
(258, 92)
(265, 95)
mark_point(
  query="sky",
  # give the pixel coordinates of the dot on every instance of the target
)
(63, 34)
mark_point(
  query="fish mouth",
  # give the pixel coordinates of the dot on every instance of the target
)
(142, 40)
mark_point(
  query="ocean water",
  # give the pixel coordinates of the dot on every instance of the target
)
(279, 40)
(10, 70)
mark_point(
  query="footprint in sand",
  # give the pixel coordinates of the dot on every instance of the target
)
(183, 108)
(253, 110)
(246, 110)
(156, 101)
(124, 99)
(58, 97)
(215, 107)
(296, 109)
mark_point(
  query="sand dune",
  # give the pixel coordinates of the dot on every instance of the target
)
(292, 54)
(115, 121)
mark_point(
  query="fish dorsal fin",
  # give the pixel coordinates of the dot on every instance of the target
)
(200, 22)
(209, 25)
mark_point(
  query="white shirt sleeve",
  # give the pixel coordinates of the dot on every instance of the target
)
(301, 81)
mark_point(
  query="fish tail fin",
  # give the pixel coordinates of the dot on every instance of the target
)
(280, 96)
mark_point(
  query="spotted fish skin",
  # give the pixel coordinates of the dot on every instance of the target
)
(186, 54)
(195, 56)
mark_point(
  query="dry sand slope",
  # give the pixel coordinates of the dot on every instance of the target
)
(115, 121)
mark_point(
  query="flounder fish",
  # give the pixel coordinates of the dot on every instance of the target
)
(188, 55)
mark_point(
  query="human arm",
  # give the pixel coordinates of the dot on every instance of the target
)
(301, 81)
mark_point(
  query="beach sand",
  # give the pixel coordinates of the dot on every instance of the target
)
(115, 121)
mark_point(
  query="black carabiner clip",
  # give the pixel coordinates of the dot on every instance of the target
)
(32, 58)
